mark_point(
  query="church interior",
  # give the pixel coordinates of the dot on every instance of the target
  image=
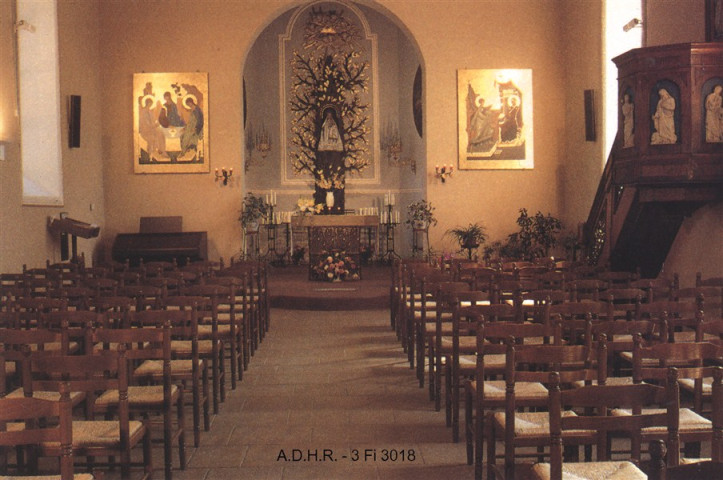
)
(357, 228)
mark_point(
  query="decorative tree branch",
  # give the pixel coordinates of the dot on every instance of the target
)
(321, 80)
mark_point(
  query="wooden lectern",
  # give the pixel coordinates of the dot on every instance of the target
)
(74, 228)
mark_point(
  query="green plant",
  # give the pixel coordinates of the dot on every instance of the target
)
(421, 212)
(254, 208)
(469, 237)
(537, 235)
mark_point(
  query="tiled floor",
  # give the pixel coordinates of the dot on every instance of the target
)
(327, 387)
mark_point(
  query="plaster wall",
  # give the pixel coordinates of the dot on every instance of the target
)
(24, 238)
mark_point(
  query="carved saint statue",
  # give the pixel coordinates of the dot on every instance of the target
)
(663, 120)
(330, 138)
(714, 116)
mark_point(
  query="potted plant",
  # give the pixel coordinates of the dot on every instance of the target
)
(469, 237)
(253, 210)
(420, 215)
(537, 235)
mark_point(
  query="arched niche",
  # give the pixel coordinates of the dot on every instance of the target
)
(392, 99)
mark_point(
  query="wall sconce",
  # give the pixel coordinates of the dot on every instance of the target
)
(224, 175)
(443, 172)
(391, 143)
(262, 142)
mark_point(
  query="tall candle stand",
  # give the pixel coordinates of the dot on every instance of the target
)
(389, 223)
(271, 234)
(271, 226)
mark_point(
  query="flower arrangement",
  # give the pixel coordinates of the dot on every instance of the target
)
(253, 209)
(335, 267)
(330, 181)
(421, 213)
(306, 206)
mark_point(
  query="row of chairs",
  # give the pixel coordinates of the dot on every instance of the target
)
(203, 316)
(414, 309)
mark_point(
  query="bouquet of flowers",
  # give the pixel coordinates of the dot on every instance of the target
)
(336, 266)
(306, 206)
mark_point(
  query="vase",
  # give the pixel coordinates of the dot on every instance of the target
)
(330, 199)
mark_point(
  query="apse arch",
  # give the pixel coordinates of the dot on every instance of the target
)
(396, 107)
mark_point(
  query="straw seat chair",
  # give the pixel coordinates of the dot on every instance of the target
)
(533, 363)
(191, 372)
(149, 400)
(34, 421)
(587, 409)
(96, 438)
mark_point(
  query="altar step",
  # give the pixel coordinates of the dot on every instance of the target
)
(290, 288)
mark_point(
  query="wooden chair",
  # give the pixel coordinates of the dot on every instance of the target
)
(96, 438)
(18, 346)
(690, 358)
(619, 335)
(148, 400)
(29, 309)
(226, 334)
(575, 317)
(576, 414)
(705, 469)
(657, 288)
(617, 279)
(192, 372)
(709, 299)
(586, 289)
(430, 329)
(483, 391)
(210, 348)
(29, 422)
(702, 392)
(455, 343)
(622, 303)
(420, 308)
(533, 363)
(255, 298)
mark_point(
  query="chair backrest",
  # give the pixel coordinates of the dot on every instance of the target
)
(593, 404)
(707, 282)
(709, 298)
(622, 303)
(586, 289)
(691, 359)
(44, 421)
(573, 363)
(619, 332)
(84, 373)
(139, 344)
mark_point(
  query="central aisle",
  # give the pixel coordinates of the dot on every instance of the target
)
(324, 387)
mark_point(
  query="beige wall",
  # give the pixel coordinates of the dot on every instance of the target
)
(104, 43)
(451, 35)
(679, 21)
(24, 238)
